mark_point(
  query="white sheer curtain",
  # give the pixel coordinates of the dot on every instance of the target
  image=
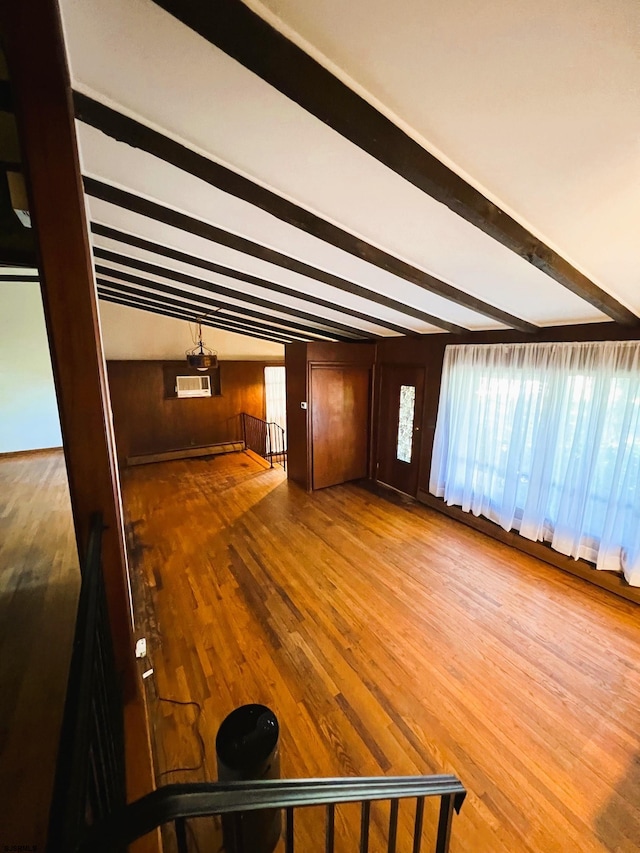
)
(545, 439)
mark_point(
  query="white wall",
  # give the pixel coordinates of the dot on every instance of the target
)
(28, 409)
(128, 333)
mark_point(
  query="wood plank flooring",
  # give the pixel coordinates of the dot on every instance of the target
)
(39, 583)
(388, 639)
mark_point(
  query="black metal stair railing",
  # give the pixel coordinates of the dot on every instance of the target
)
(178, 803)
(90, 779)
(266, 438)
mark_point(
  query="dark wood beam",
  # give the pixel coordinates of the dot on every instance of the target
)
(33, 40)
(20, 277)
(223, 320)
(174, 254)
(202, 305)
(213, 304)
(244, 35)
(176, 314)
(134, 133)
(213, 287)
(148, 298)
(191, 225)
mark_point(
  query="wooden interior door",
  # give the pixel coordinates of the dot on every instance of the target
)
(401, 404)
(340, 402)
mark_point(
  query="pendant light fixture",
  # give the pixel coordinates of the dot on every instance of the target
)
(200, 356)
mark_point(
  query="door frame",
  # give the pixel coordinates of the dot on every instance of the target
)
(419, 420)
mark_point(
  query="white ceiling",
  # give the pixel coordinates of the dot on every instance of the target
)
(132, 334)
(537, 106)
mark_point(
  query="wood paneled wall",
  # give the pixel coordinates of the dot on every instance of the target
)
(300, 360)
(428, 351)
(147, 421)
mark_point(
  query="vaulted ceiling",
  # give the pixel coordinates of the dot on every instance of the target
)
(303, 170)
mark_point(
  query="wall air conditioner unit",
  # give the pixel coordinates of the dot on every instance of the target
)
(193, 386)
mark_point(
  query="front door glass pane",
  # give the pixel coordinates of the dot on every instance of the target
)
(405, 422)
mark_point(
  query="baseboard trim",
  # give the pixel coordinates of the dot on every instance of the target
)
(186, 453)
(37, 451)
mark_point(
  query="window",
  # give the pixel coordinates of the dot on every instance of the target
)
(276, 396)
(545, 439)
(405, 422)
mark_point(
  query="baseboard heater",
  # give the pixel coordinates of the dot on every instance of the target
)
(187, 453)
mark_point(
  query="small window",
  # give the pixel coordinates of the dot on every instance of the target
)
(193, 386)
(405, 422)
(275, 386)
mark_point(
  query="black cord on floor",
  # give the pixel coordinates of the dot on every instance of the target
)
(202, 762)
(199, 766)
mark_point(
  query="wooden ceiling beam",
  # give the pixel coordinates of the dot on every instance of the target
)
(174, 254)
(20, 277)
(149, 297)
(122, 128)
(177, 314)
(221, 290)
(160, 287)
(191, 225)
(201, 304)
(242, 34)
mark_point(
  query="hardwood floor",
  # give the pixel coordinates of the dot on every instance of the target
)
(39, 582)
(388, 639)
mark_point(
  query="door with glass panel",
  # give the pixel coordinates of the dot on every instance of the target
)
(401, 400)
